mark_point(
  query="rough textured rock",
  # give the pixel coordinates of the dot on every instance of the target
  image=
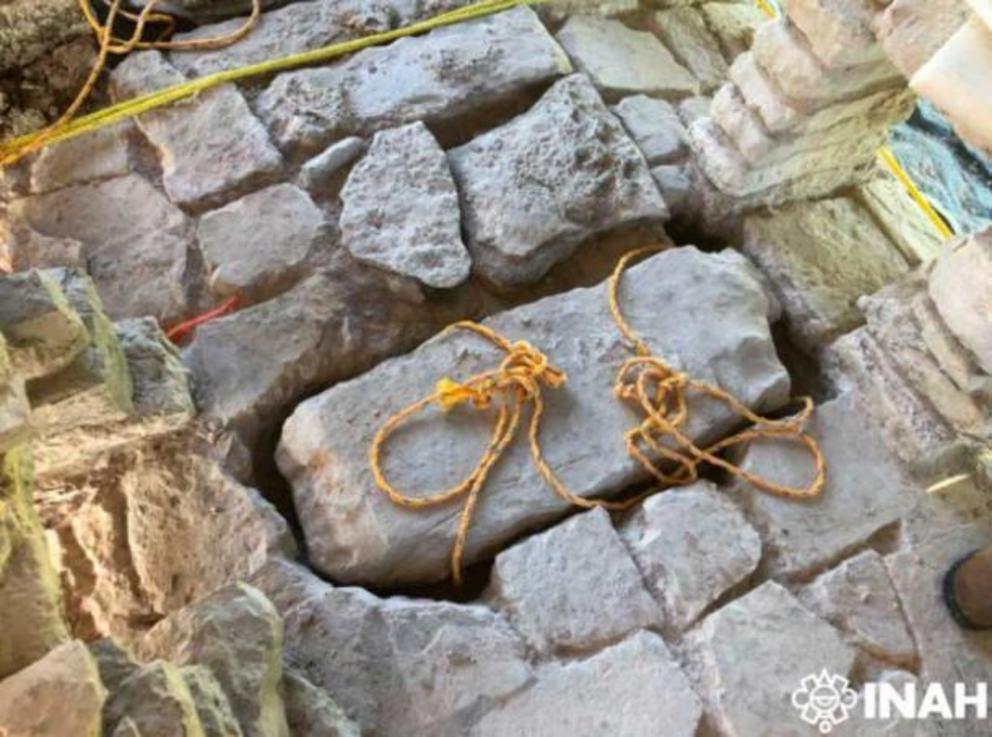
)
(687, 36)
(298, 27)
(130, 235)
(400, 209)
(102, 154)
(58, 696)
(912, 31)
(211, 147)
(562, 589)
(123, 524)
(734, 25)
(677, 184)
(535, 188)
(212, 706)
(622, 61)
(29, 30)
(114, 661)
(629, 689)
(691, 545)
(821, 257)
(839, 31)
(866, 491)
(961, 288)
(30, 601)
(43, 333)
(401, 666)
(238, 635)
(317, 173)
(901, 219)
(156, 699)
(755, 652)
(262, 242)
(716, 331)
(433, 78)
(655, 127)
(858, 598)
(310, 712)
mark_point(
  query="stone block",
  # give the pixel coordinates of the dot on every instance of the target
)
(655, 127)
(901, 219)
(912, 31)
(156, 702)
(839, 31)
(311, 712)
(734, 25)
(685, 33)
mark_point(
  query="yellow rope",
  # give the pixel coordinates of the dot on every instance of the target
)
(645, 380)
(23, 145)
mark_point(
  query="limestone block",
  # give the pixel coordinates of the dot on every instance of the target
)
(718, 332)
(685, 33)
(436, 77)
(742, 125)
(102, 154)
(901, 219)
(912, 31)
(562, 589)
(400, 209)
(212, 147)
(734, 25)
(655, 127)
(676, 184)
(866, 491)
(262, 243)
(691, 545)
(58, 696)
(839, 31)
(534, 189)
(628, 689)
(621, 61)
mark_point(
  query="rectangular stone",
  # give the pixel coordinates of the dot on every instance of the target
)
(901, 218)
(839, 31)
(685, 33)
(449, 72)
(763, 95)
(717, 331)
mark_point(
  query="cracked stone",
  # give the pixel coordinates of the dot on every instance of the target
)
(628, 689)
(534, 189)
(400, 209)
(622, 61)
(718, 331)
(691, 545)
(573, 587)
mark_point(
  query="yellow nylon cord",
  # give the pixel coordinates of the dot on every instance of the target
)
(21, 146)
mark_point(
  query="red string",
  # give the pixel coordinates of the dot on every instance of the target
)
(183, 329)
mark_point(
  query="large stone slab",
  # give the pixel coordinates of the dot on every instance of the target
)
(629, 689)
(400, 209)
(211, 147)
(402, 666)
(560, 589)
(622, 61)
(535, 188)
(58, 696)
(866, 491)
(691, 545)
(717, 330)
(755, 652)
(437, 77)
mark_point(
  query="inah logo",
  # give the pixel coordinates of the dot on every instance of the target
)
(824, 700)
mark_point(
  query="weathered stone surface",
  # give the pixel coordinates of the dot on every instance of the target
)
(23, 248)
(211, 147)
(298, 27)
(114, 661)
(622, 61)
(655, 127)
(762, 94)
(535, 188)
(317, 173)
(734, 25)
(123, 526)
(238, 635)
(29, 30)
(839, 31)
(961, 288)
(401, 209)
(96, 156)
(212, 706)
(716, 331)
(686, 35)
(755, 652)
(901, 219)
(310, 712)
(328, 327)
(401, 666)
(865, 492)
(676, 184)
(858, 598)
(821, 257)
(15, 411)
(693, 108)
(629, 689)
(436, 77)
(691, 545)
(43, 333)
(262, 242)
(743, 125)
(562, 590)
(131, 235)
(912, 31)
(58, 696)
(155, 698)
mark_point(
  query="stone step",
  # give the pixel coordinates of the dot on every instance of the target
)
(717, 330)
